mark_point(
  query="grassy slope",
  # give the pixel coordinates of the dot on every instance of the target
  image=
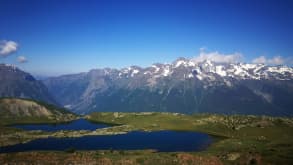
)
(58, 114)
(247, 138)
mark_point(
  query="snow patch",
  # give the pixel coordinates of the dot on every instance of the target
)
(135, 71)
(190, 75)
(180, 62)
(157, 69)
(166, 71)
(199, 77)
(220, 71)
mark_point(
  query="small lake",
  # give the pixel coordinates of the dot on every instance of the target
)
(162, 141)
(80, 124)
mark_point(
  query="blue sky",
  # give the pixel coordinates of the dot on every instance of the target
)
(68, 36)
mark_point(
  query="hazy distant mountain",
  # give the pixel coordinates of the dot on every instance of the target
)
(183, 86)
(19, 84)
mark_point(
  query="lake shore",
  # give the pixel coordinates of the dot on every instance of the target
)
(245, 137)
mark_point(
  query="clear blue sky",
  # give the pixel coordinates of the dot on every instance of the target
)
(65, 36)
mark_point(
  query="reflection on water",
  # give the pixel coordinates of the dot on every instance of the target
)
(166, 141)
(80, 124)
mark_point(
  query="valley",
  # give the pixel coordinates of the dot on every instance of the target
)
(146, 82)
(239, 139)
(179, 113)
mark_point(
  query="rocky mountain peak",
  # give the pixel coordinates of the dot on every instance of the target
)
(184, 86)
(19, 84)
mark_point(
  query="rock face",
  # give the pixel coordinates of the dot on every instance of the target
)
(18, 84)
(184, 86)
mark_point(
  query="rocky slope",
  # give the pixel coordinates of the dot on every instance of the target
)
(27, 111)
(184, 86)
(19, 84)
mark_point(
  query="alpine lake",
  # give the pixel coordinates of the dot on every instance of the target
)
(161, 141)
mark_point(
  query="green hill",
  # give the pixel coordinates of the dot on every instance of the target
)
(14, 111)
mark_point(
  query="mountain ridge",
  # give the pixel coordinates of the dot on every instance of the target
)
(183, 86)
(19, 84)
(240, 70)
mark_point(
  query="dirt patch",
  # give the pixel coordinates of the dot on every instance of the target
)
(187, 159)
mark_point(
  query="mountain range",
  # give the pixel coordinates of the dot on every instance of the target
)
(184, 86)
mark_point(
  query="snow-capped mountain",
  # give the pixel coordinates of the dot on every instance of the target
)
(210, 70)
(183, 86)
